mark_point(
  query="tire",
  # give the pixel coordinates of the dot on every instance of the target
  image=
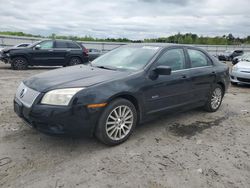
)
(215, 98)
(19, 63)
(117, 122)
(74, 61)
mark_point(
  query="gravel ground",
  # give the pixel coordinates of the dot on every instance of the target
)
(189, 149)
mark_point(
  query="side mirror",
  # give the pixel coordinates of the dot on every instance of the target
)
(162, 70)
(37, 47)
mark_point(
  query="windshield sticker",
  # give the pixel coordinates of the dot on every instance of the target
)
(150, 47)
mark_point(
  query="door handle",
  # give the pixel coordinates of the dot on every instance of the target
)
(212, 73)
(183, 76)
(51, 50)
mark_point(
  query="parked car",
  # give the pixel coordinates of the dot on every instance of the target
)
(229, 55)
(46, 53)
(240, 73)
(246, 57)
(120, 89)
(5, 59)
(94, 53)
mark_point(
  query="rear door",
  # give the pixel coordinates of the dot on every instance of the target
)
(169, 91)
(202, 74)
(60, 53)
(44, 54)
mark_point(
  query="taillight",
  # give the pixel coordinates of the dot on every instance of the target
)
(85, 51)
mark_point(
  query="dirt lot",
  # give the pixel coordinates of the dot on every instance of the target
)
(190, 149)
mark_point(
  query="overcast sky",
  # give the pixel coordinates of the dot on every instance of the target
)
(134, 19)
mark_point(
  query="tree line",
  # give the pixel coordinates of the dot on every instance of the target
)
(187, 38)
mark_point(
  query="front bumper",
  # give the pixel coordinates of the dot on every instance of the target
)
(75, 120)
(4, 58)
(240, 77)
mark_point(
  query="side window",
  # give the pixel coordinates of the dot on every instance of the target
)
(23, 45)
(173, 58)
(72, 45)
(61, 44)
(46, 44)
(198, 59)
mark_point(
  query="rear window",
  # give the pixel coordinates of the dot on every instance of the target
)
(238, 51)
(72, 45)
(61, 44)
(198, 58)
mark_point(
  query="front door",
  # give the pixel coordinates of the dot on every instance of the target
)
(43, 54)
(169, 91)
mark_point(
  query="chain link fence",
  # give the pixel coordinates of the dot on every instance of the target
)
(7, 41)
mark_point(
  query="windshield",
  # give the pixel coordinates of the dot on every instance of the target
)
(128, 57)
(34, 44)
(228, 52)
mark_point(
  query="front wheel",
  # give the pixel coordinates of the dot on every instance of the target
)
(215, 98)
(116, 122)
(19, 63)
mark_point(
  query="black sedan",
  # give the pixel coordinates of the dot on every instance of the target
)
(121, 89)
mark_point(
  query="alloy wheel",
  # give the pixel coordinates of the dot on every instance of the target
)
(119, 122)
(216, 98)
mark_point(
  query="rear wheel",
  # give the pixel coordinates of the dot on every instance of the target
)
(19, 63)
(74, 61)
(117, 122)
(215, 98)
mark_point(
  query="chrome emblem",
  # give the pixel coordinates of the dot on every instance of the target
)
(24, 90)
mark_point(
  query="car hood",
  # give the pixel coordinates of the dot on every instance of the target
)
(12, 48)
(243, 65)
(75, 76)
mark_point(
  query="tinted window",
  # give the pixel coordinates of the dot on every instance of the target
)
(238, 51)
(197, 58)
(173, 58)
(61, 44)
(23, 45)
(72, 45)
(46, 44)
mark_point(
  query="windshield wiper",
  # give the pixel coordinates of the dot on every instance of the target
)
(106, 67)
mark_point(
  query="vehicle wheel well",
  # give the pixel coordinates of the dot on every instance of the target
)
(76, 57)
(223, 86)
(22, 56)
(133, 100)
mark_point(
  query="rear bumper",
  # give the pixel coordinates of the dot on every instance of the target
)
(240, 77)
(77, 120)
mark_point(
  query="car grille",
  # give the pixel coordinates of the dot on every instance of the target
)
(26, 95)
(243, 79)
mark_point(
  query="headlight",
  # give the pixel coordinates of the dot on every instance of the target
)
(7, 54)
(60, 97)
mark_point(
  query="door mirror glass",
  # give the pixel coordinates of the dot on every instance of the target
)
(37, 47)
(162, 70)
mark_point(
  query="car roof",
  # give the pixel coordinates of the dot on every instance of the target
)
(63, 40)
(165, 45)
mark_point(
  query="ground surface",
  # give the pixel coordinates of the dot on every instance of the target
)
(190, 149)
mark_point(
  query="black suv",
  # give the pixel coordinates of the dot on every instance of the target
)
(46, 53)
